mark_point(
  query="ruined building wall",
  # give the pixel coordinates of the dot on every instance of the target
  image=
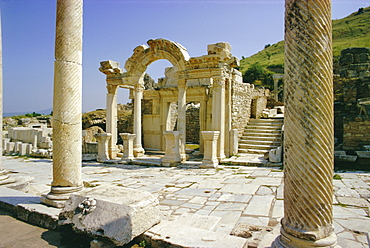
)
(242, 96)
(351, 83)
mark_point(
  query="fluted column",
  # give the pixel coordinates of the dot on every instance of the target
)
(181, 119)
(67, 106)
(111, 124)
(138, 148)
(308, 144)
(218, 114)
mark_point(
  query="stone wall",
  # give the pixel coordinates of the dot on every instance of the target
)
(241, 102)
(351, 83)
(356, 135)
(192, 123)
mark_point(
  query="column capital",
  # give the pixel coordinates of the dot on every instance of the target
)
(112, 89)
(218, 82)
(139, 87)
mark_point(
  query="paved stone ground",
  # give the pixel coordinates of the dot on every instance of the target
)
(232, 197)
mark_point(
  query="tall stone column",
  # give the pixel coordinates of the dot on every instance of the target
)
(308, 144)
(218, 114)
(3, 173)
(138, 148)
(111, 125)
(67, 106)
(181, 118)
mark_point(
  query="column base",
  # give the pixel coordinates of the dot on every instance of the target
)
(113, 152)
(285, 240)
(139, 152)
(59, 195)
(209, 164)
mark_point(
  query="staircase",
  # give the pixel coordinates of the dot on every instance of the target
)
(261, 135)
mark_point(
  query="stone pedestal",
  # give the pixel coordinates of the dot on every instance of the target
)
(128, 146)
(67, 104)
(234, 142)
(103, 140)
(308, 134)
(172, 156)
(210, 149)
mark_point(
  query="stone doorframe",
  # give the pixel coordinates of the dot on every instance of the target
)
(211, 72)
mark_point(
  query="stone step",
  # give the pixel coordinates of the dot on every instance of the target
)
(258, 142)
(281, 120)
(253, 151)
(258, 147)
(271, 127)
(276, 138)
(260, 131)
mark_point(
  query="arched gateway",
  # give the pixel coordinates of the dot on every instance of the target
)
(207, 79)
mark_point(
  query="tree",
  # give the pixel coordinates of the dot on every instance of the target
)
(256, 74)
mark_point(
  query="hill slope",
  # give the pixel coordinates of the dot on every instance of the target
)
(351, 31)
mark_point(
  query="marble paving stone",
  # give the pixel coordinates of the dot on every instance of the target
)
(278, 209)
(238, 180)
(258, 221)
(267, 181)
(364, 193)
(198, 200)
(263, 190)
(204, 212)
(351, 201)
(247, 189)
(227, 217)
(355, 224)
(345, 191)
(259, 205)
(234, 198)
(355, 183)
(210, 184)
(230, 206)
(280, 192)
(337, 227)
(260, 173)
(197, 192)
(192, 206)
(199, 221)
(346, 212)
(171, 202)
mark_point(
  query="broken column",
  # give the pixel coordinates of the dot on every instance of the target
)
(309, 139)
(128, 146)
(210, 149)
(172, 155)
(67, 106)
(103, 144)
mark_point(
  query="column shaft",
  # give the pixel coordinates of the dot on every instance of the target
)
(3, 173)
(67, 106)
(111, 123)
(138, 148)
(308, 144)
(181, 119)
(218, 114)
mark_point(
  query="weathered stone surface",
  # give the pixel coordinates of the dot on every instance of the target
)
(174, 234)
(119, 214)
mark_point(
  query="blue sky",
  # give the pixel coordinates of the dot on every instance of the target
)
(113, 28)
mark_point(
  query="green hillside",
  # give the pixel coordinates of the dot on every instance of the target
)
(351, 31)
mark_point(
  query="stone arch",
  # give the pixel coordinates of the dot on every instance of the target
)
(158, 49)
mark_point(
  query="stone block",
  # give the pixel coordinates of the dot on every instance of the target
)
(10, 147)
(275, 155)
(363, 154)
(116, 213)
